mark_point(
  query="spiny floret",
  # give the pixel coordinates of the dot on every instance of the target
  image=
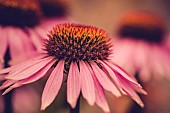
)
(74, 42)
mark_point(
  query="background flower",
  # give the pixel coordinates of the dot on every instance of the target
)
(140, 46)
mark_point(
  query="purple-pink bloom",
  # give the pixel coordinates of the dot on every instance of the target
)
(81, 55)
(20, 30)
(139, 48)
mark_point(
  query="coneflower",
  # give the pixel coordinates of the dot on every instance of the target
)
(81, 55)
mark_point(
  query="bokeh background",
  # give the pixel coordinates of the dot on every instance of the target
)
(106, 14)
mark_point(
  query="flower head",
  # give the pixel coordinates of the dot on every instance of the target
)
(80, 53)
(139, 47)
(142, 25)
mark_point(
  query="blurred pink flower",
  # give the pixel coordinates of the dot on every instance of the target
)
(139, 47)
(19, 29)
(167, 43)
(79, 54)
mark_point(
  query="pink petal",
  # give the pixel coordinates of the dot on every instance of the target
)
(100, 98)
(99, 92)
(142, 52)
(36, 39)
(1, 63)
(5, 70)
(87, 83)
(37, 75)
(145, 72)
(2, 77)
(42, 33)
(165, 63)
(19, 43)
(29, 70)
(10, 88)
(17, 67)
(112, 75)
(23, 57)
(104, 80)
(7, 83)
(118, 69)
(53, 85)
(73, 85)
(130, 90)
(138, 89)
(123, 51)
(3, 43)
(28, 80)
(158, 68)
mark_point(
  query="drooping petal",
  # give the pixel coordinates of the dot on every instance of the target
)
(36, 39)
(6, 70)
(138, 89)
(158, 67)
(142, 59)
(120, 70)
(37, 75)
(87, 83)
(14, 84)
(100, 98)
(99, 93)
(123, 54)
(129, 90)
(7, 83)
(145, 72)
(112, 75)
(11, 87)
(19, 43)
(132, 81)
(165, 62)
(41, 32)
(53, 85)
(104, 80)
(17, 67)
(2, 77)
(142, 52)
(29, 70)
(3, 43)
(73, 85)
